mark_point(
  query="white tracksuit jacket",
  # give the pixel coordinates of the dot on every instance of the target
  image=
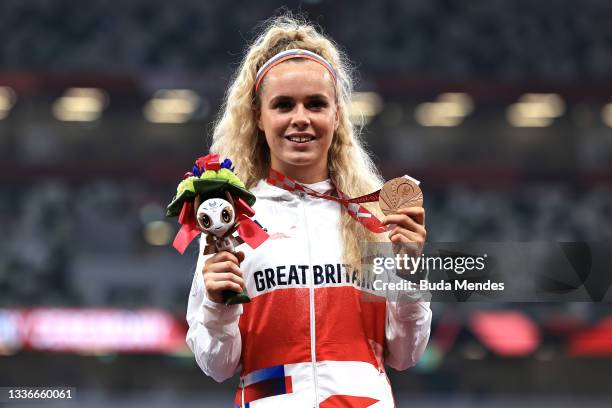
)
(307, 338)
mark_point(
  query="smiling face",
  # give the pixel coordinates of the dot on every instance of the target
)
(298, 115)
(215, 216)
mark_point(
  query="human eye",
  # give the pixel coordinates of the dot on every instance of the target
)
(317, 104)
(282, 104)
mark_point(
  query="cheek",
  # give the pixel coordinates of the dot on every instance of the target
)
(271, 139)
(275, 127)
(274, 122)
(326, 124)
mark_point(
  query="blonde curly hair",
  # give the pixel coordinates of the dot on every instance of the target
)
(237, 136)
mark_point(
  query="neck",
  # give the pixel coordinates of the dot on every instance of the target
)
(302, 175)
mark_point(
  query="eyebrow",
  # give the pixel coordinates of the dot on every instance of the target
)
(284, 97)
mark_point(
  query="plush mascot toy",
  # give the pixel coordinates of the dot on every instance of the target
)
(212, 199)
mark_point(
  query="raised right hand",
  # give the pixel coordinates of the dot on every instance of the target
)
(221, 273)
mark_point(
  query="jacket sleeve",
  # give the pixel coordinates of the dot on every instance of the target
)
(407, 332)
(213, 335)
(408, 324)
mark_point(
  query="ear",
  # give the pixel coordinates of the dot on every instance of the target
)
(337, 118)
(258, 119)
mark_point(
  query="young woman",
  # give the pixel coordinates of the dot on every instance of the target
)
(307, 338)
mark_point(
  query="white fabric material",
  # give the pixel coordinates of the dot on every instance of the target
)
(214, 336)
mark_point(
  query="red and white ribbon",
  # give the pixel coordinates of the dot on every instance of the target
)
(352, 205)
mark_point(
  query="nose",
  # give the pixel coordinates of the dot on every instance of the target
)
(300, 118)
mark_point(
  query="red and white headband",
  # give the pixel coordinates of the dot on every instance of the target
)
(287, 55)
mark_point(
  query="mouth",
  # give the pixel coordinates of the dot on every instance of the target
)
(300, 138)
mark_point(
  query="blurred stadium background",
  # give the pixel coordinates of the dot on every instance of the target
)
(503, 108)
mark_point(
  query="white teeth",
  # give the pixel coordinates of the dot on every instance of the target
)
(301, 139)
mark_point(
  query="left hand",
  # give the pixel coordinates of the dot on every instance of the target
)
(409, 231)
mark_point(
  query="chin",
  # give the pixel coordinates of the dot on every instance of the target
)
(308, 159)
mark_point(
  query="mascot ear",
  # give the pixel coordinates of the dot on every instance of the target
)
(197, 200)
(229, 198)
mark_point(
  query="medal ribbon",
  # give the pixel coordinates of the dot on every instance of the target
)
(352, 205)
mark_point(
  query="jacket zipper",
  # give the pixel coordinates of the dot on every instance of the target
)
(242, 399)
(313, 352)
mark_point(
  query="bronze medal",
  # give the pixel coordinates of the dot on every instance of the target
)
(401, 192)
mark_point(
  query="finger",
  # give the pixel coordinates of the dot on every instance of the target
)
(416, 213)
(223, 267)
(415, 228)
(221, 277)
(223, 285)
(406, 237)
(213, 284)
(222, 256)
(404, 221)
